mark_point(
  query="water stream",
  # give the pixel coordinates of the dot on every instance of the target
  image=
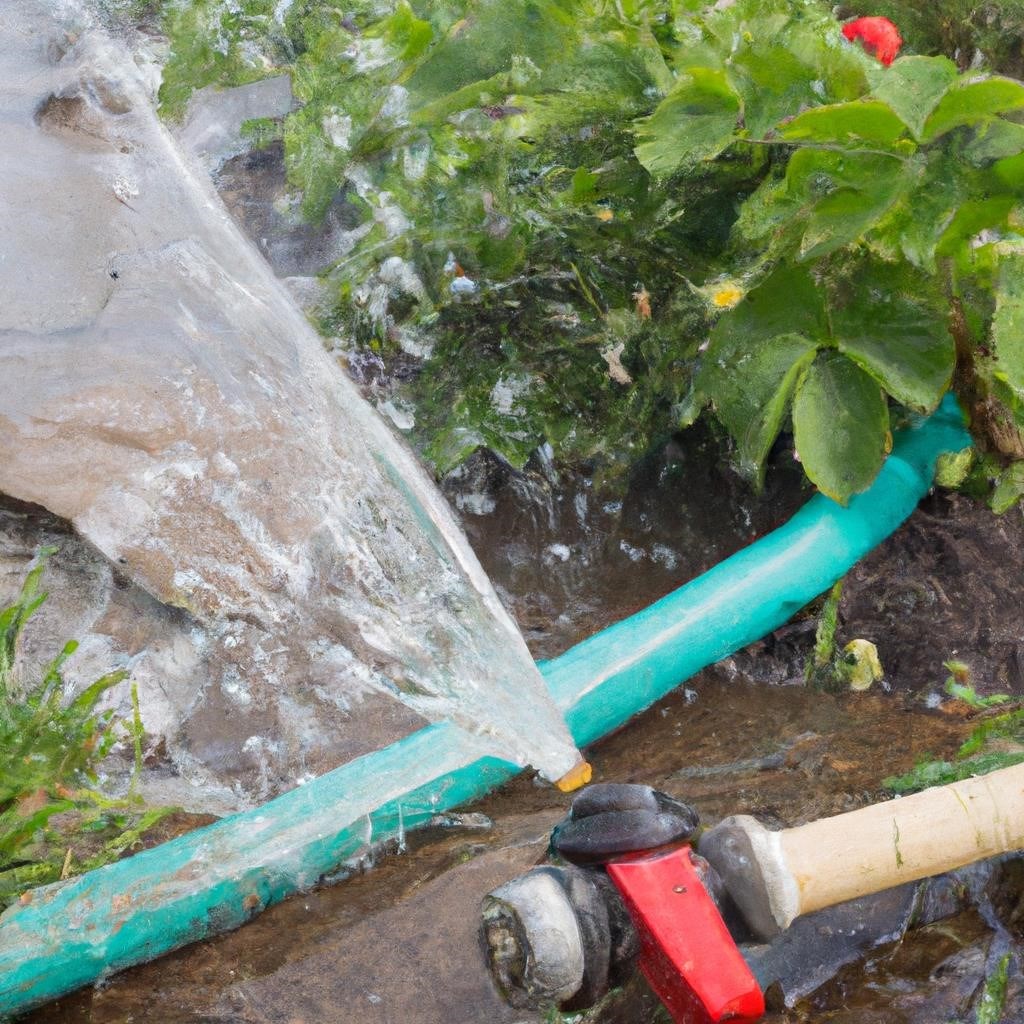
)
(314, 596)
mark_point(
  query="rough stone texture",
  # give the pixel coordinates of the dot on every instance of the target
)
(295, 590)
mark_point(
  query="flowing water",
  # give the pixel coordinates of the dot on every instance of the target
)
(314, 596)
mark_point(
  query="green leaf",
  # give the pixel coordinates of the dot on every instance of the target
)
(583, 186)
(952, 468)
(841, 426)
(850, 192)
(846, 123)
(756, 355)
(1011, 172)
(694, 122)
(788, 301)
(1008, 489)
(972, 102)
(913, 226)
(752, 388)
(499, 39)
(912, 86)
(768, 216)
(882, 321)
(773, 83)
(994, 140)
(843, 217)
(972, 217)
(1008, 324)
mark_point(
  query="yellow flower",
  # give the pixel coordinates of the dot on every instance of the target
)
(727, 295)
(605, 215)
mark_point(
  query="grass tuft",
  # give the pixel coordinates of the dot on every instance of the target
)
(55, 819)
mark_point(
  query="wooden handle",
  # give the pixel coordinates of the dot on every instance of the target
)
(777, 876)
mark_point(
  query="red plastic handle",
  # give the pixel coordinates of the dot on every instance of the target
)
(686, 951)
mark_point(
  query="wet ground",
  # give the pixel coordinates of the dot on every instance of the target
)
(399, 943)
(568, 561)
(379, 946)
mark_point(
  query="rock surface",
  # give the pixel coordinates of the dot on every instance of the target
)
(287, 587)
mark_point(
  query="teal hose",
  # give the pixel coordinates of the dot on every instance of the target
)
(214, 879)
(601, 682)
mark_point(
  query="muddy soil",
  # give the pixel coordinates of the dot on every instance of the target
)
(399, 944)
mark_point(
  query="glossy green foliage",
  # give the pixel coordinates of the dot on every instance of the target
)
(694, 123)
(885, 198)
(510, 230)
(216, 43)
(835, 346)
(1008, 326)
(49, 751)
(560, 201)
(840, 425)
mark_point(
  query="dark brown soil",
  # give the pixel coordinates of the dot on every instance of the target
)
(948, 585)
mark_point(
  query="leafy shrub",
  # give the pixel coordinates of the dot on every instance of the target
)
(893, 198)
(507, 230)
(49, 753)
(562, 203)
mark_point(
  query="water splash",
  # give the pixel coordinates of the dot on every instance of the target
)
(175, 406)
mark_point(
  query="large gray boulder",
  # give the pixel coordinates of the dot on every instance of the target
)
(285, 583)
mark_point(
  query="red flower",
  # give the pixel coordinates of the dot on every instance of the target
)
(879, 36)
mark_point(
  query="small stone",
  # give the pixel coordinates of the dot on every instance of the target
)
(613, 357)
